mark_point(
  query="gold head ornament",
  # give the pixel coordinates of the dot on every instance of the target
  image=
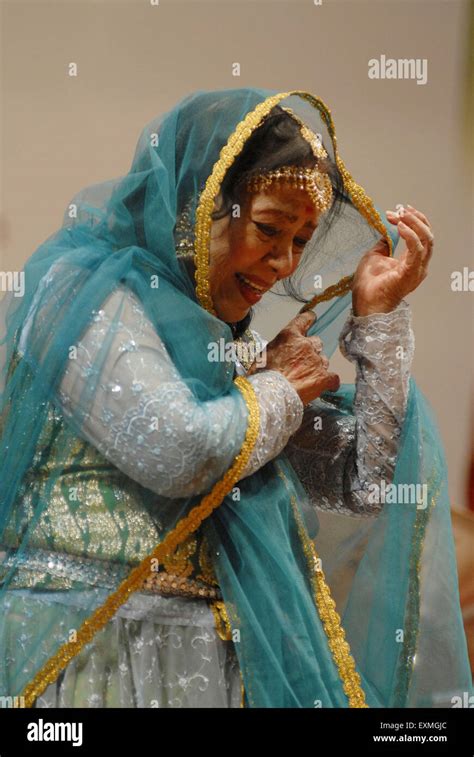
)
(313, 180)
(316, 183)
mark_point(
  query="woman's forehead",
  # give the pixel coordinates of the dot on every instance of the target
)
(288, 204)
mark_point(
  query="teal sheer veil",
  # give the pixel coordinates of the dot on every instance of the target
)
(376, 620)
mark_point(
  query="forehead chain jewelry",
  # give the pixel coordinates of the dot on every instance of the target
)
(316, 182)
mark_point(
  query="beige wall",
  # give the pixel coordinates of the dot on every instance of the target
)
(401, 141)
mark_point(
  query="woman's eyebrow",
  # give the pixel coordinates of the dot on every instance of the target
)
(286, 215)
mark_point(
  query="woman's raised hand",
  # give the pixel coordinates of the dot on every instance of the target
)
(300, 359)
(381, 282)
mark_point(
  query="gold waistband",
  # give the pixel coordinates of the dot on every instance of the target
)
(170, 585)
(49, 570)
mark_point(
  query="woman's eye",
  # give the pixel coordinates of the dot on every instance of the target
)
(301, 242)
(270, 231)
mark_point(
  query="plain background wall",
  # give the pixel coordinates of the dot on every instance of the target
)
(403, 142)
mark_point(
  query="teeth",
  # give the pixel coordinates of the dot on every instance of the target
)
(249, 283)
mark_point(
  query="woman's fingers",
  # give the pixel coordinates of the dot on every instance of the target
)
(325, 362)
(420, 247)
(419, 240)
(423, 230)
(425, 235)
(316, 343)
(396, 216)
(417, 221)
(318, 347)
(331, 383)
(419, 215)
(415, 247)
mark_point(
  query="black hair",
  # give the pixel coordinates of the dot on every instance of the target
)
(278, 142)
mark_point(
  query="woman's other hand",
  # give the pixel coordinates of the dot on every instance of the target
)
(381, 282)
(300, 359)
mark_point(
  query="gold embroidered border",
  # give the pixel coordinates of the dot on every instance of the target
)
(223, 628)
(412, 619)
(330, 618)
(50, 671)
(235, 143)
(224, 631)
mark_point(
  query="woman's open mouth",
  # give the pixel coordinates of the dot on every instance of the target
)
(251, 292)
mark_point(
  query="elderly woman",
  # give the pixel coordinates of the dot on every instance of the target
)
(159, 505)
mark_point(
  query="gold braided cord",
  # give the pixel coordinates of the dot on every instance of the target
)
(330, 618)
(187, 525)
(335, 290)
(228, 154)
(223, 628)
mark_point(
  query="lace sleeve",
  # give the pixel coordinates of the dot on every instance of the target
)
(145, 419)
(340, 456)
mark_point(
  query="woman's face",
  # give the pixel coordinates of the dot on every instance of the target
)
(258, 248)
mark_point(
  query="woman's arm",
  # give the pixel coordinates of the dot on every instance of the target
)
(338, 456)
(146, 420)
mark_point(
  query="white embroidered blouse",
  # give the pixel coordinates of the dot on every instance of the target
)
(192, 446)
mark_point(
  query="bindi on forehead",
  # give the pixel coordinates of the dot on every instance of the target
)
(284, 203)
(278, 213)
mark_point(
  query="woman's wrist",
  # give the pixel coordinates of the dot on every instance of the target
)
(379, 309)
(360, 311)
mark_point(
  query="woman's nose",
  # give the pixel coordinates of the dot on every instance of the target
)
(282, 260)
